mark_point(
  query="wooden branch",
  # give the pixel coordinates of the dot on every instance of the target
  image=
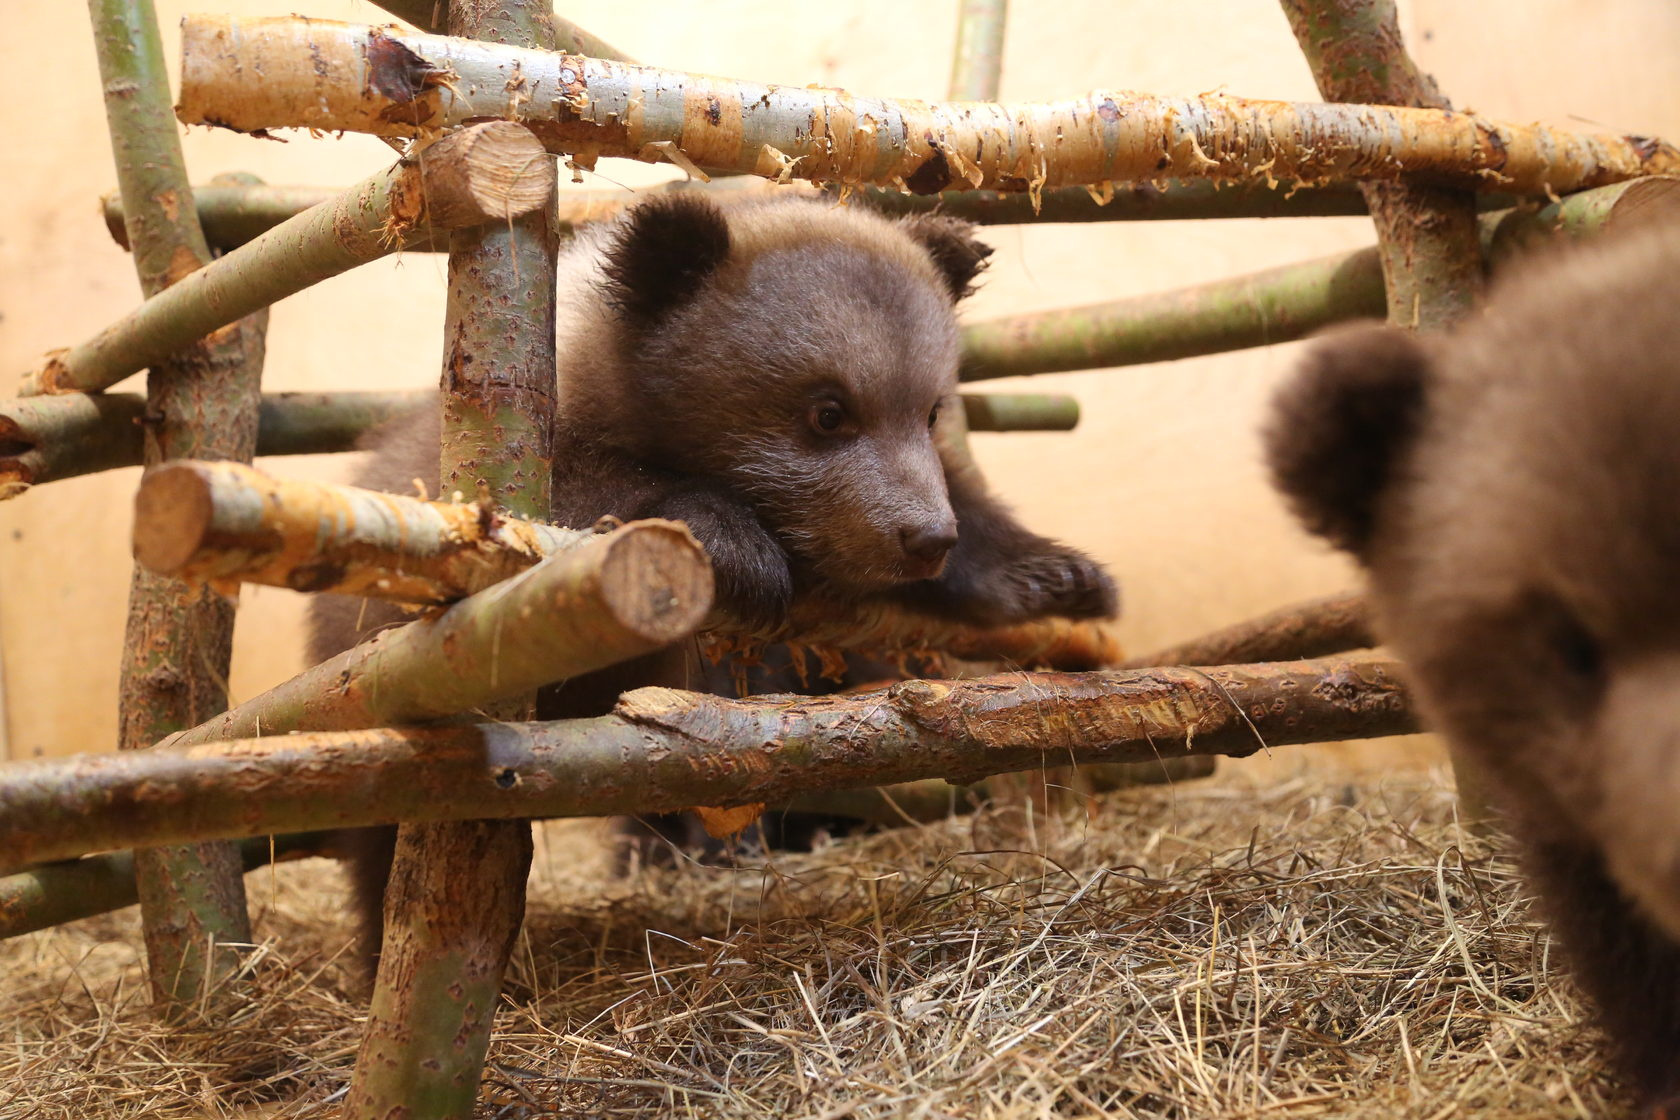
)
(488, 172)
(609, 598)
(233, 214)
(431, 15)
(65, 891)
(1020, 412)
(662, 750)
(200, 399)
(230, 524)
(1276, 305)
(456, 895)
(46, 439)
(334, 76)
(977, 66)
(225, 523)
(1311, 629)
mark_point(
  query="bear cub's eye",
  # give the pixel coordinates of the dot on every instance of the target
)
(933, 417)
(827, 417)
(1577, 651)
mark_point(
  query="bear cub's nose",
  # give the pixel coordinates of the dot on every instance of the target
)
(928, 544)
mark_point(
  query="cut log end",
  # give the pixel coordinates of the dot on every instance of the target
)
(172, 514)
(1655, 197)
(508, 170)
(656, 581)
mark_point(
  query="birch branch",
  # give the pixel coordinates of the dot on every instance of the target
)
(488, 172)
(1020, 412)
(1275, 305)
(231, 524)
(225, 523)
(662, 750)
(977, 64)
(1311, 629)
(605, 600)
(47, 439)
(331, 76)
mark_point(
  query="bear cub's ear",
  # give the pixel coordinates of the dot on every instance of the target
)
(956, 253)
(662, 253)
(1339, 428)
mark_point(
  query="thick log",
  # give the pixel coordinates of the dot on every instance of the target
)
(662, 750)
(1312, 629)
(225, 523)
(341, 76)
(1278, 304)
(68, 890)
(47, 439)
(202, 399)
(489, 172)
(610, 598)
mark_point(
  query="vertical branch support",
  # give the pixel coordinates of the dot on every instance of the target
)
(1426, 236)
(457, 890)
(977, 67)
(201, 403)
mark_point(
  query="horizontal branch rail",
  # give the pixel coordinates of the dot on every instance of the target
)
(605, 600)
(226, 523)
(664, 750)
(1315, 628)
(489, 172)
(1274, 305)
(230, 524)
(47, 439)
(332, 76)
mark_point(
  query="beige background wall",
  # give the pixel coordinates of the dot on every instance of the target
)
(1162, 478)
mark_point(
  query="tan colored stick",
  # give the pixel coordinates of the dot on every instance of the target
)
(319, 74)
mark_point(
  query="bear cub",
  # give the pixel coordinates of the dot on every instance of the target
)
(1512, 490)
(782, 377)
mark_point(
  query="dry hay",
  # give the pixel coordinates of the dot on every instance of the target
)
(1319, 948)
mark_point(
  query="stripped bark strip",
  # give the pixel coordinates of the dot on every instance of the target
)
(1312, 629)
(612, 597)
(456, 896)
(60, 892)
(1020, 412)
(233, 214)
(46, 439)
(1275, 305)
(225, 523)
(334, 76)
(489, 172)
(662, 749)
(202, 400)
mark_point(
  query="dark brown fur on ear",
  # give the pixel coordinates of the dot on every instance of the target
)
(951, 243)
(662, 253)
(1338, 428)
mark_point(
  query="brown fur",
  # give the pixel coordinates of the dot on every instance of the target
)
(697, 352)
(1513, 491)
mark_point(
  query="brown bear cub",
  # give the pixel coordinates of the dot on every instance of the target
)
(1513, 492)
(781, 376)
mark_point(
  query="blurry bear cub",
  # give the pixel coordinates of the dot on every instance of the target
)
(1513, 492)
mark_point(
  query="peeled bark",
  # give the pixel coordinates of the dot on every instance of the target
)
(224, 524)
(333, 76)
(1312, 629)
(661, 750)
(200, 400)
(608, 599)
(489, 172)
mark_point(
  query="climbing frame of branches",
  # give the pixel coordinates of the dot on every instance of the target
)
(320, 750)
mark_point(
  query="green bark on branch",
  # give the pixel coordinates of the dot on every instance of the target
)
(662, 750)
(341, 76)
(201, 400)
(1020, 412)
(977, 66)
(489, 172)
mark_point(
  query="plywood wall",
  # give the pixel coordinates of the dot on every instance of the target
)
(1162, 478)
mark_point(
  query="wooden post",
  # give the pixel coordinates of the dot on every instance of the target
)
(457, 892)
(201, 401)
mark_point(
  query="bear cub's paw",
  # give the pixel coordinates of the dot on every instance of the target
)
(1049, 579)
